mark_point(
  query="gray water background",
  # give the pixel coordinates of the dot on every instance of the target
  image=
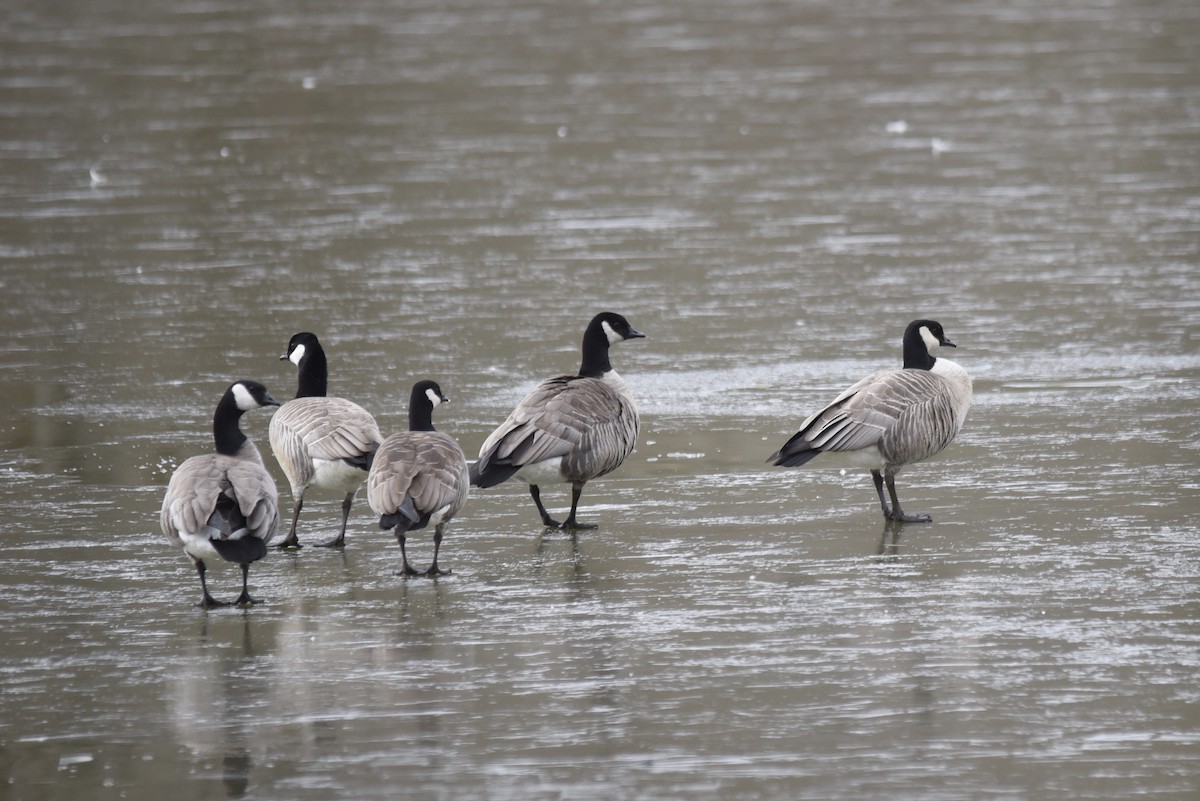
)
(770, 191)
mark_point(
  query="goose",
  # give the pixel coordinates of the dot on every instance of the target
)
(224, 504)
(891, 418)
(569, 429)
(419, 477)
(320, 441)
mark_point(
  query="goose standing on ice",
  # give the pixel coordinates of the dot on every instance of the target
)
(891, 418)
(419, 477)
(223, 505)
(569, 429)
(320, 441)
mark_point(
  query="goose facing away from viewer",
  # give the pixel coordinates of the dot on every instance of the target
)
(223, 504)
(320, 441)
(419, 477)
(891, 418)
(569, 429)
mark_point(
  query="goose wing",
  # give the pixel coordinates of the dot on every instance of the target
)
(199, 485)
(427, 469)
(607, 442)
(865, 415)
(582, 420)
(925, 426)
(332, 429)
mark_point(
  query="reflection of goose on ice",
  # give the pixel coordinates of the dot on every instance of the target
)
(211, 698)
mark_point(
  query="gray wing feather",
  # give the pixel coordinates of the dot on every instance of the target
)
(923, 429)
(582, 420)
(908, 414)
(304, 429)
(427, 467)
(199, 482)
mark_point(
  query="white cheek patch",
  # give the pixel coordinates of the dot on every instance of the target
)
(296, 355)
(612, 335)
(245, 401)
(434, 398)
(931, 342)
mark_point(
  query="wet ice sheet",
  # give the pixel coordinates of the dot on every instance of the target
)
(444, 189)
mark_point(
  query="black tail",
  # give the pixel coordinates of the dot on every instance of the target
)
(406, 518)
(241, 551)
(491, 475)
(364, 461)
(796, 452)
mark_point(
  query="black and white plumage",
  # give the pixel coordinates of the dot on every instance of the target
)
(419, 477)
(569, 429)
(223, 505)
(320, 441)
(891, 418)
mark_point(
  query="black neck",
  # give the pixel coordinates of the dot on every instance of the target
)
(916, 353)
(420, 413)
(595, 353)
(314, 373)
(227, 437)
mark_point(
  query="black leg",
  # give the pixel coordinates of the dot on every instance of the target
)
(244, 599)
(877, 477)
(571, 523)
(547, 520)
(340, 540)
(434, 570)
(208, 602)
(292, 541)
(406, 569)
(897, 513)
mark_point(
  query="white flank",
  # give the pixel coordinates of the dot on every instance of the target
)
(547, 471)
(336, 475)
(439, 515)
(199, 546)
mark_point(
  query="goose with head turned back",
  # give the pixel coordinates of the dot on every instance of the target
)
(891, 418)
(320, 441)
(569, 429)
(419, 477)
(223, 505)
